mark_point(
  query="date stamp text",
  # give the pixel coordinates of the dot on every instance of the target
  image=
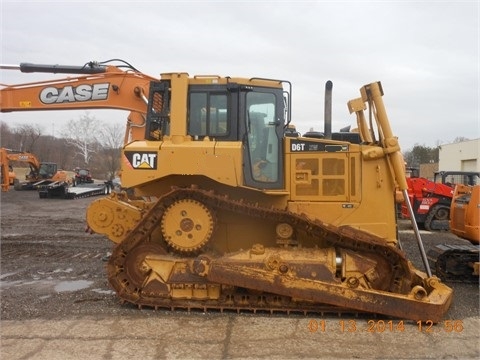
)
(383, 326)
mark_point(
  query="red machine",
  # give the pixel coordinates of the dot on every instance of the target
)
(431, 200)
(82, 176)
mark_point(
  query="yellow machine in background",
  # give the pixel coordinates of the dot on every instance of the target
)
(227, 208)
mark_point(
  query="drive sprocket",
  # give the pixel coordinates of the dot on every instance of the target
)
(187, 225)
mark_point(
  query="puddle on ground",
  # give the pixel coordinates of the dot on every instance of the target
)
(104, 292)
(56, 271)
(3, 276)
(7, 284)
(73, 285)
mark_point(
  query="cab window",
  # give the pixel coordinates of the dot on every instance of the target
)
(208, 114)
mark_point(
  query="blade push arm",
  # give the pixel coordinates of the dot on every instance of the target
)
(388, 146)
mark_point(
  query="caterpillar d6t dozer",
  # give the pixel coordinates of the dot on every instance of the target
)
(229, 213)
(227, 208)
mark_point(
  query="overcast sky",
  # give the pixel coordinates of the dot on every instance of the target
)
(425, 53)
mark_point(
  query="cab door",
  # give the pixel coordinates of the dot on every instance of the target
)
(263, 146)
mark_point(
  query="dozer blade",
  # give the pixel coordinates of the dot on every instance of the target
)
(427, 302)
(307, 276)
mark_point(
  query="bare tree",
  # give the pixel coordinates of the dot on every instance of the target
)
(6, 135)
(459, 139)
(26, 136)
(111, 139)
(82, 135)
(421, 154)
(56, 150)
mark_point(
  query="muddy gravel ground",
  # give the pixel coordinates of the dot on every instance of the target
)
(52, 269)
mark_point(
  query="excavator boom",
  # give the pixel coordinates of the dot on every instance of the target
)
(99, 87)
(4, 169)
(110, 89)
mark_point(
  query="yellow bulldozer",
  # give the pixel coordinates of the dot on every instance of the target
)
(225, 207)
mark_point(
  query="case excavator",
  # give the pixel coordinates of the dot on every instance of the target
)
(226, 208)
(7, 175)
(41, 174)
(48, 180)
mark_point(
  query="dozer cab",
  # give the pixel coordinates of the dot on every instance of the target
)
(226, 208)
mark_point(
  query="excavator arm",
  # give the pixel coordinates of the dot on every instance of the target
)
(387, 145)
(111, 89)
(93, 87)
(25, 157)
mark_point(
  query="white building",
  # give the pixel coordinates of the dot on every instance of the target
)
(461, 156)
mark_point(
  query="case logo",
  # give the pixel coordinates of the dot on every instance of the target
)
(142, 160)
(71, 94)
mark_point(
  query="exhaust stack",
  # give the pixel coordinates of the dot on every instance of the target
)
(328, 110)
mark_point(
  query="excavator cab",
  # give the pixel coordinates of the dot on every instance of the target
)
(453, 178)
(47, 170)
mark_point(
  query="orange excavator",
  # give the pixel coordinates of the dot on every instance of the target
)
(461, 263)
(225, 210)
(50, 181)
(465, 212)
(40, 174)
(5, 169)
(431, 200)
(105, 87)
